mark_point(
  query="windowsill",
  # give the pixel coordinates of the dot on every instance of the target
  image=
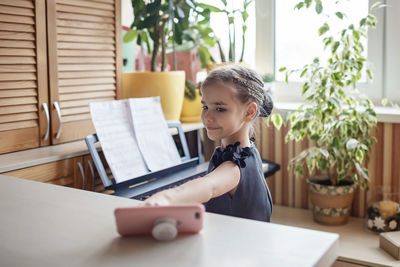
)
(383, 114)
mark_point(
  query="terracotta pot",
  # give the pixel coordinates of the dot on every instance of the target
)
(191, 109)
(170, 86)
(331, 205)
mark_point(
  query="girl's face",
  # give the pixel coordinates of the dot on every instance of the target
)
(224, 116)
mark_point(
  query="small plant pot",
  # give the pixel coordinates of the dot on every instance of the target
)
(331, 205)
(191, 109)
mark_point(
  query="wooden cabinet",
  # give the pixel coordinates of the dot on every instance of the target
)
(49, 74)
(23, 74)
(93, 181)
(64, 172)
(78, 172)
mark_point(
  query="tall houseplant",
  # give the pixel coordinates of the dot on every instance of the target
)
(155, 23)
(336, 116)
(231, 14)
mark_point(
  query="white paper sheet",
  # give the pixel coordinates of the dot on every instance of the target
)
(114, 129)
(154, 139)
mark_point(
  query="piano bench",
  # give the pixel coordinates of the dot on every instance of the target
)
(269, 168)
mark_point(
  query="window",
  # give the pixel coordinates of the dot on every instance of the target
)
(283, 40)
(297, 42)
(219, 24)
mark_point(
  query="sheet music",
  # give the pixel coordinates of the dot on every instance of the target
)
(114, 129)
(152, 134)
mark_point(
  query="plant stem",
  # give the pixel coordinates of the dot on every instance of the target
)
(221, 52)
(156, 47)
(242, 54)
(234, 43)
(162, 34)
(330, 176)
(230, 44)
(171, 20)
(154, 56)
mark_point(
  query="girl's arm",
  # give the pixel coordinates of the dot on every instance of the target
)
(218, 182)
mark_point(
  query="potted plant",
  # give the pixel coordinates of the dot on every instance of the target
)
(232, 15)
(337, 117)
(191, 109)
(156, 23)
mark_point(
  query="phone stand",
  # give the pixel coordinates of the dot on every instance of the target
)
(164, 229)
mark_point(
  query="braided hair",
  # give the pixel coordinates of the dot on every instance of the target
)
(248, 84)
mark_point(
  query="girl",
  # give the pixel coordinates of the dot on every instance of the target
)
(233, 96)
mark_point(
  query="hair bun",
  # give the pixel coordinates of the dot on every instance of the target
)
(267, 105)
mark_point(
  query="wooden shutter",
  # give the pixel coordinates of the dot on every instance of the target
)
(85, 61)
(23, 74)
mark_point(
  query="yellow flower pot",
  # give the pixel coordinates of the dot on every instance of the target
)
(170, 86)
(191, 109)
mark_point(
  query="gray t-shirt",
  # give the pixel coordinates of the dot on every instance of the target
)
(252, 198)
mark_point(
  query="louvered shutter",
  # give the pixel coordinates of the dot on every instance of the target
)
(23, 74)
(85, 61)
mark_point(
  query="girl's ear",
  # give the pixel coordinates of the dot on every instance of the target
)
(251, 111)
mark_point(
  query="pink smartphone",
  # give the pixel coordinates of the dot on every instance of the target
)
(141, 220)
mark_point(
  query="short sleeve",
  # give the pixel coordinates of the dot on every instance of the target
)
(233, 153)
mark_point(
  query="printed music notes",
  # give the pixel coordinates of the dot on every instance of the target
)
(152, 135)
(134, 136)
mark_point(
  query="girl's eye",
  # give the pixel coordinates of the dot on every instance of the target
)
(220, 109)
(204, 107)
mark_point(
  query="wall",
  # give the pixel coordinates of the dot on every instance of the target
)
(290, 190)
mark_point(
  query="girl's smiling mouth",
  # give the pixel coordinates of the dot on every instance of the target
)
(210, 128)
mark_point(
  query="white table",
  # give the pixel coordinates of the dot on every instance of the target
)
(48, 225)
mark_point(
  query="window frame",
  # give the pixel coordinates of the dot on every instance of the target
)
(291, 92)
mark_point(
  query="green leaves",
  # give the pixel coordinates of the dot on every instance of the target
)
(130, 36)
(363, 172)
(277, 120)
(299, 5)
(318, 6)
(340, 15)
(362, 22)
(360, 155)
(245, 15)
(205, 56)
(156, 21)
(351, 144)
(210, 7)
(335, 116)
(335, 46)
(369, 73)
(323, 29)
(306, 86)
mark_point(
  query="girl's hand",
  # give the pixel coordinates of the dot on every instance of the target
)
(159, 199)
